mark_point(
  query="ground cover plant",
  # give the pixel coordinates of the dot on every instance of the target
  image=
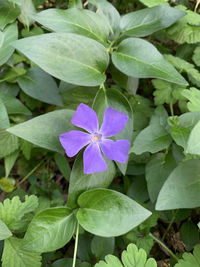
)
(99, 133)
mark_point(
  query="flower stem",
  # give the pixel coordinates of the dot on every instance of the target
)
(76, 245)
(163, 245)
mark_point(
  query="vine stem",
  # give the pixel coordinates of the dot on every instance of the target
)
(169, 226)
(76, 245)
(171, 109)
(29, 173)
(163, 245)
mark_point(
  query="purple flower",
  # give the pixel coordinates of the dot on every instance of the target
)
(86, 118)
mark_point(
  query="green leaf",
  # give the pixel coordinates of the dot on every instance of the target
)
(81, 182)
(7, 36)
(79, 21)
(4, 231)
(26, 148)
(4, 120)
(16, 1)
(182, 188)
(159, 116)
(130, 258)
(9, 88)
(55, 227)
(27, 9)
(113, 98)
(190, 260)
(189, 34)
(9, 161)
(196, 56)
(102, 246)
(8, 143)
(63, 165)
(157, 170)
(45, 130)
(193, 146)
(153, 138)
(109, 14)
(19, 258)
(180, 136)
(7, 184)
(139, 58)
(189, 120)
(40, 85)
(146, 21)
(151, 3)
(12, 74)
(54, 54)
(13, 105)
(12, 211)
(166, 92)
(102, 208)
(138, 189)
(8, 15)
(189, 234)
(193, 95)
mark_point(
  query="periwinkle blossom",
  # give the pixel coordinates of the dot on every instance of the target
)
(86, 118)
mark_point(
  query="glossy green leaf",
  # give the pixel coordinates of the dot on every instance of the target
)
(113, 98)
(4, 120)
(49, 230)
(20, 257)
(9, 161)
(146, 21)
(82, 65)
(182, 188)
(180, 136)
(193, 146)
(63, 165)
(7, 36)
(12, 74)
(81, 182)
(79, 21)
(193, 95)
(27, 9)
(4, 231)
(109, 213)
(40, 85)
(8, 15)
(157, 170)
(189, 234)
(109, 14)
(139, 58)
(153, 138)
(13, 105)
(133, 257)
(8, 143)
(45, 130)
(9, 88)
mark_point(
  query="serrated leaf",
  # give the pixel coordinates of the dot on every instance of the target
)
(151, 3)
(52, 52)
(45, 130)
(19, 258)
(196, 56)
(8, 15)
(79, 21)
(182, 188)
(12, 211)
(4, 120)
(166, 92)
(130, 258)
(26, 148)
(146, 21)
(55, 227)
(97, 205)
(4, 231)
(189, 34)
(13, 105)
(41, 86)
(139, 58)
(193, 95)
(190, 260)
(7, 36)
(153, 138)
(8, 143)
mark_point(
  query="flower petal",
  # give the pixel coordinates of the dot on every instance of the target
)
(86, 118)
(115, 150)
(93, 161)
(114, 121)
(73, 141)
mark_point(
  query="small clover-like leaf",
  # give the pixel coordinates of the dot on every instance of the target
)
(189, 259)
